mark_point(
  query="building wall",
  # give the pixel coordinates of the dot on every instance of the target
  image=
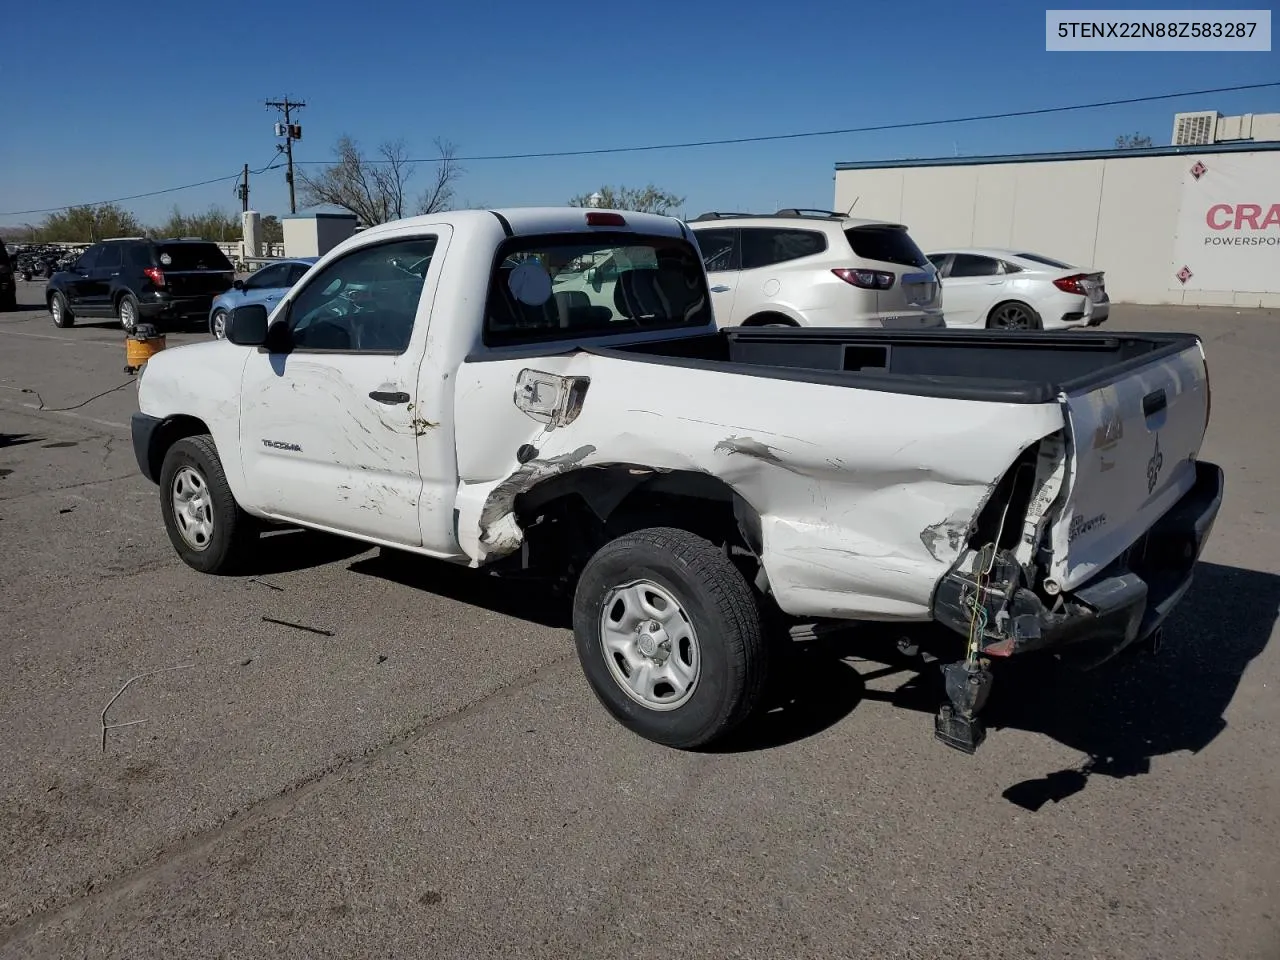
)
(1117, 214)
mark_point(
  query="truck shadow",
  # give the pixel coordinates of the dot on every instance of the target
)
(1119, 716)
(526, 598)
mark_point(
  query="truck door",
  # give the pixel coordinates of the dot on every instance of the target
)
(330, 428)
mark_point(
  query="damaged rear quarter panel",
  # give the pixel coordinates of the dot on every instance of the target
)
(864, 496)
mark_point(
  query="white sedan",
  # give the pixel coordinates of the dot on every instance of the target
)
(1009, 290)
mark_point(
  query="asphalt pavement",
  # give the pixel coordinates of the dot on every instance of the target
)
(412, 765)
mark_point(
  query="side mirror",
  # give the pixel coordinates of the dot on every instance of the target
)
(237, 284)
(247, 325)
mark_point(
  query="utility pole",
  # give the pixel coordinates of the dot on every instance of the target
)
(290, 131)
(243, 190)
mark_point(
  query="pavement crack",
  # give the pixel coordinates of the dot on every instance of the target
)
(341, 769)
(70, 486)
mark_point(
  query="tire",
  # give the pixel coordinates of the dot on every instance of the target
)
(218, 324)
(1013, 315)
(128, 312)
(193, 472)
(716, 636)
(9, 304)
(769, 320)
(62, 315)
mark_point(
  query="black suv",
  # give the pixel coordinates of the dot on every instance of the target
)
(137, 279)
(8, 285)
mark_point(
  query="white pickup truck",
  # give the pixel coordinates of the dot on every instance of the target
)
(426, 388)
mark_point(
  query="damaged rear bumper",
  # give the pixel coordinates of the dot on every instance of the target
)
(1125, 603)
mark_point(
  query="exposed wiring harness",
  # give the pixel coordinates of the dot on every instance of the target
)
(977, 609)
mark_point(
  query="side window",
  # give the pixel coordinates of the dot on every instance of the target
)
(365, 301)
(110, 257)
(764, 246)
(88, 260)
(297, 271)
(939, 260)
(969, 265)
(269, 278)
(138, 255)
(719, 249)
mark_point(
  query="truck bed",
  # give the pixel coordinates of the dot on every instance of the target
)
(961, 364)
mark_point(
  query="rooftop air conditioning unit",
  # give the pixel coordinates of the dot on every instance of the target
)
(1194, 129)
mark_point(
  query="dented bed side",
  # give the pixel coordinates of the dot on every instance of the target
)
(864, 498)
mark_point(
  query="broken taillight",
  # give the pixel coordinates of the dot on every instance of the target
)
(865, 279)
(155, 275)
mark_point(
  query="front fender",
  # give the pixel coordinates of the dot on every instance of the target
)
(201, 381)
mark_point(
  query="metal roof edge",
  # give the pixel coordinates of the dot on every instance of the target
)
(1249, 146)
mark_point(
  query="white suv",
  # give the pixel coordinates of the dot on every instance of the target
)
(814, 268)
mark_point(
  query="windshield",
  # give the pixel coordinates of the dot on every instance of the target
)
(193, 256)
(544, 288)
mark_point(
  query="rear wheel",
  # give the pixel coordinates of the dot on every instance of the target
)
(669, 636)
(62, 315)
(205, 524)
(127, 311)
(769, 320)
(218, 324)
(1013, 316)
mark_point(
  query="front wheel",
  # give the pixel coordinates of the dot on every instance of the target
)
(669, 636)
(205, 524)
(218, 324)
(61, 313)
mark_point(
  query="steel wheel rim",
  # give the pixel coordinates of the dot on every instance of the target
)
(1012, 318)
(192, 507)
(220, 325)
(649, 645)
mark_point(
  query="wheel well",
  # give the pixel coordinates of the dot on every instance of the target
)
(567, 518)
(760, 319)
(1021, 303)
(167, 434)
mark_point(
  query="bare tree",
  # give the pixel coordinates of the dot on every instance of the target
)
(648, 199)
(376, 189)
(1132, 141)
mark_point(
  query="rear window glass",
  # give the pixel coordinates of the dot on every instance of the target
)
(1047, 261)
(886, 244)
(192, 256)
(570, 286)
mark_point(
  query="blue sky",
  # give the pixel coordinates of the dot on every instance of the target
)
(166, 94)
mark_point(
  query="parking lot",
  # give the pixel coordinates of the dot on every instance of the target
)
(357, 754)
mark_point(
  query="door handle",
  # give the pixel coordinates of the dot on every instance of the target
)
(383, 396)
(116, 274)
(720, 288)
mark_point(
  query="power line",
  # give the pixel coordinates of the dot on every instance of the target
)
(136, 196)
(905, 125)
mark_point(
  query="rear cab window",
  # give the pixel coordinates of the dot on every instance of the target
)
(581, 285)
(887, 245)
(193, 256)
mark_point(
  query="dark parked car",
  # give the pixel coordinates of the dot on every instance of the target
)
(137, 279)
(8, 287)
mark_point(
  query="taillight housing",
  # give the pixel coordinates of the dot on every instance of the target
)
(1072, 284)
(866, 279)
(155, 275)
